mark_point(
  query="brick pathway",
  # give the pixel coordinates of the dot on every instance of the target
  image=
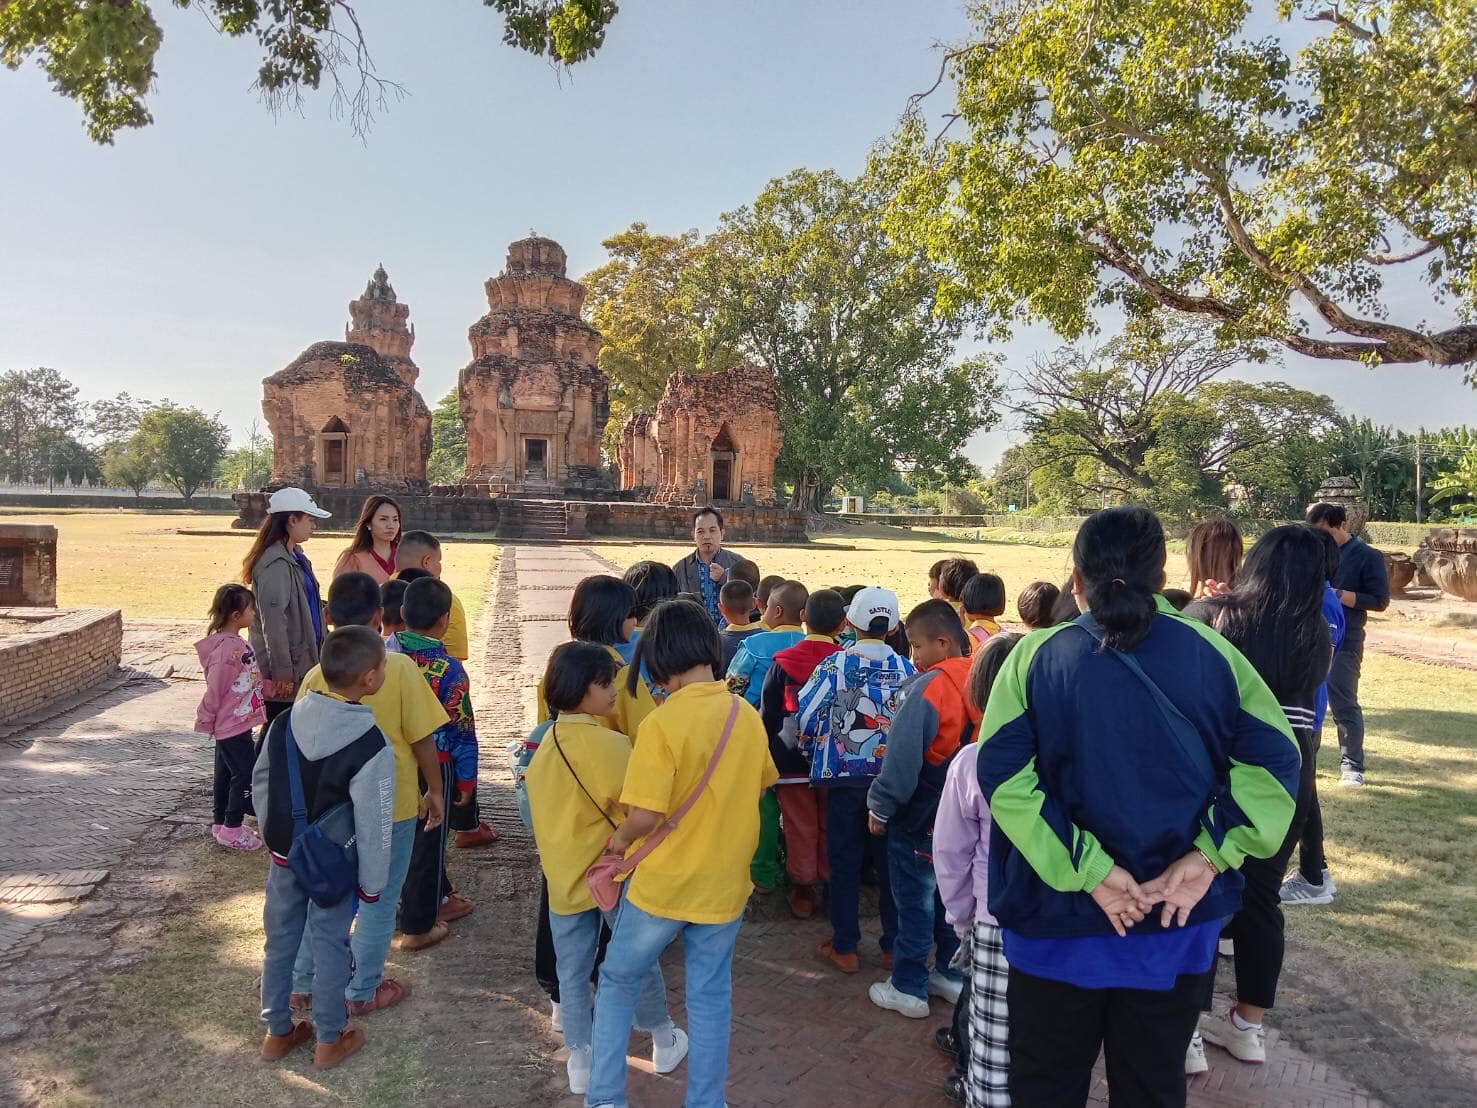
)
(801, 1033)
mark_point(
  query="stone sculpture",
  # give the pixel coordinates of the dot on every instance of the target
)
(1448, 556)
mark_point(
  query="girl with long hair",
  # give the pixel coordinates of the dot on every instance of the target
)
(289, 609)
(1213, 549)
(1275, 617)
(376, 537)
(1153, 761)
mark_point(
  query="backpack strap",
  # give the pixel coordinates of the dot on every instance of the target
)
(294, 778)
(1185, 732)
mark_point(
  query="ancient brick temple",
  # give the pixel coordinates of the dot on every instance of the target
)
(714, 439)
(347, 413)
(533, 400)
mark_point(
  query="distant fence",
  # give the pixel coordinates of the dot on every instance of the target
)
(82, 496)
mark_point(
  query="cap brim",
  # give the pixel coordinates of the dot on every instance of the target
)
(318, 513)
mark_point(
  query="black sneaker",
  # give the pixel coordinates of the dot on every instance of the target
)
(954, 1089)
(946, 1041)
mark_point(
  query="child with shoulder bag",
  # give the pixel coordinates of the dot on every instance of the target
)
(706, 746)
(573, 783)
(324, 761)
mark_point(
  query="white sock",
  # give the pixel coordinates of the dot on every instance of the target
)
(1240, 1024)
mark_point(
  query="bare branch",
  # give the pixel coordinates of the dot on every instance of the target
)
(1408, 256)
(1340, 20)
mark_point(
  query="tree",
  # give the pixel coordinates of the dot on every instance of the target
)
(38, 409)
(129, 465)
(185, 445)
(101, 54)
(447, 464)
(810, 285)
(1163, 153)
(248, 466)
(115, 421)
(1456, 489)
(654, 317)
(1146, 417)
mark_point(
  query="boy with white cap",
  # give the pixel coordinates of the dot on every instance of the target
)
(845, 711)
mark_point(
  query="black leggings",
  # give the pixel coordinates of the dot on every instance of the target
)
(233, 764)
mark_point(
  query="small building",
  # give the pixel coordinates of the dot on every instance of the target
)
(346, 414)
(533, 399)
(714, 439)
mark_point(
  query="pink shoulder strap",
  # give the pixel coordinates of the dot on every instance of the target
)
(669, 824)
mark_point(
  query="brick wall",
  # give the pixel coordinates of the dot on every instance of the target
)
(60, 653)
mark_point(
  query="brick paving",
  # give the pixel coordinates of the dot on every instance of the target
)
(803, 1034)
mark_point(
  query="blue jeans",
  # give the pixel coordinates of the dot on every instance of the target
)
(634, 949)
(290, 918)
(920, 914)
(847, 843)
(576, 938)
(374, 926)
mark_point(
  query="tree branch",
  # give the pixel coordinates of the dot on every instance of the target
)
(1340, 20)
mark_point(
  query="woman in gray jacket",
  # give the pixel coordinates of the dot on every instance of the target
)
(289, 609)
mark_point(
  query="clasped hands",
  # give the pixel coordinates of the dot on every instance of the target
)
(1179, 888)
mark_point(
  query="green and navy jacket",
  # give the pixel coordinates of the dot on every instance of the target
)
(1081, 771)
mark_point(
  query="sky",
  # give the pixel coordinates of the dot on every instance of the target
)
(199, 255)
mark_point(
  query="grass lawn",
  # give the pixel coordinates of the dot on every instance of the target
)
(137, 562)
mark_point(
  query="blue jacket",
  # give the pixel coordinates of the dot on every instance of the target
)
(750, 666)
(1333, 612)
(1082, 771)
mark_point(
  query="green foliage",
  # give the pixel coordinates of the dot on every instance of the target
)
(1456, 489)
(101, 53)
(129, 465)
(185, 444)
(809, 284)
(113, 421)
(1147, 418)
(1162, 152)
(447, 464)
(653, 316)
(39, 411)
(248, 466)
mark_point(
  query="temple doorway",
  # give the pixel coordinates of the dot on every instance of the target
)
(536, 460)
(723, 456)
(333, 453)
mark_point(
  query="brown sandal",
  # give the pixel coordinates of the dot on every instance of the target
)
(387, 994)
(437, 932)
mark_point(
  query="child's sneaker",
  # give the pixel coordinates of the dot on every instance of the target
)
(1195, 1056)
(328, 1055)
(944, 987)
(578, 1069)
(1248, 1043)
(238, 838)
(1297, 889)
(277, 1047)
(215, 829)
(884, 995)
(668, 1048)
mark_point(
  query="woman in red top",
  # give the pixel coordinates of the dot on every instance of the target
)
(376, 536)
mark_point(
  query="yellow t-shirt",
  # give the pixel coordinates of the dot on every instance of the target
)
(568, 828)
(407, 711)
(630, 709)
(700, 872)
(455, 639)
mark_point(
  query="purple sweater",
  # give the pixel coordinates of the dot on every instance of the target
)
(961, 844)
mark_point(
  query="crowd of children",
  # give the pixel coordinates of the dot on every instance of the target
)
(691, 746)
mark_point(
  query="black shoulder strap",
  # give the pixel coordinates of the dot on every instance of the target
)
(559, 747)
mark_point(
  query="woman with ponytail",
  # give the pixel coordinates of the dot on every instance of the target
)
(1132, 760)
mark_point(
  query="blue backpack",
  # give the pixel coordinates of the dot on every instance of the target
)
(323, 857)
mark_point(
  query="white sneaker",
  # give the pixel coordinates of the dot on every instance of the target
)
(668, 1048)
(1195, 1056)
(1352, 779)
(556, 1021)
(1248, 1044)
(578, 1068)
(1226, 948)
(945, 988)
(1297, 890)
(885, 996)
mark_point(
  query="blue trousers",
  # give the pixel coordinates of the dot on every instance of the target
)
(290, 918)
(848, 842)
(920, 914)
(576, 943)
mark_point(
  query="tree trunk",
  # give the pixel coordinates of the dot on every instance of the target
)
(808, 492)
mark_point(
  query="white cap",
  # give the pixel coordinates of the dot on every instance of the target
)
(870, 603)
(294, 500)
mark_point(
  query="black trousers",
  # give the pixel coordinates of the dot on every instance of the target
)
(234, 759)
(545, 964)
(427, 882)
(465, 817)
(1311, 859)
(1056, 1031)
(961, 1025)
(1343, 701)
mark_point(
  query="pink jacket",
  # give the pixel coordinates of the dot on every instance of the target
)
(961, 844)
(232, 703)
